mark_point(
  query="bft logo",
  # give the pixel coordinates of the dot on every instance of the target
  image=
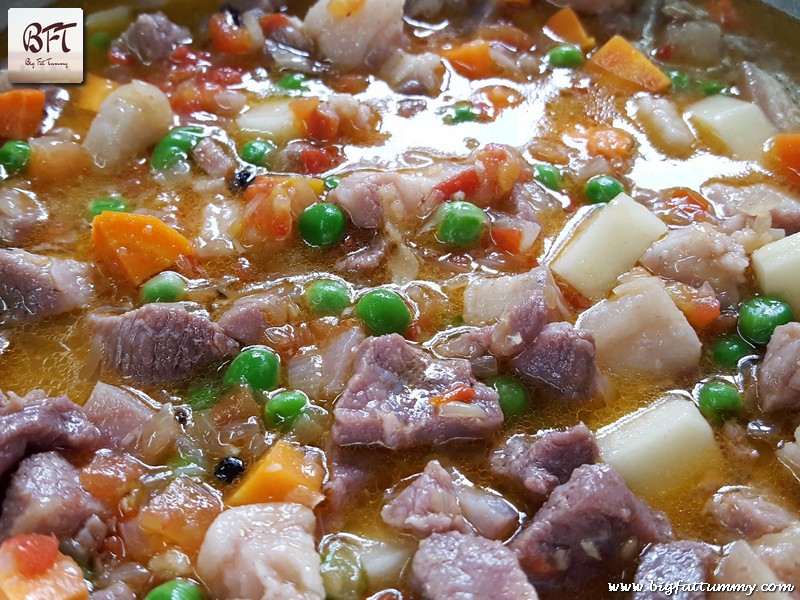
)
(45, 45)
(32, 37)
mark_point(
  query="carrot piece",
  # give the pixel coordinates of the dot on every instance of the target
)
(610, 142)
(286, 473)
(619, 63)
(227, 37)
(507, 238)
(472, 60)
(31, 567)
(94, 91)
(21, 113)
(136, 246)
(461, 392)
(785, 151)
(566, 26)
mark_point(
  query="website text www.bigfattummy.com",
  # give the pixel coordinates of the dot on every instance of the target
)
(670, 588)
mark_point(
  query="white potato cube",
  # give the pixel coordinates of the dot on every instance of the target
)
(735, 126)
(607, 246)
(777, 266)
(660, 448)
(741, 566)
(273, 119)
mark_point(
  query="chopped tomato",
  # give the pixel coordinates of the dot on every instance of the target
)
(31, 568)
(507, 238)
(460, 392)
(467, 182)
(502, 96)
(273, 203)
(700, 307)
(181, 513)
(610, 142)
(724, 13)
(318, 160)
(785, 151)
(227, 37)
(110, 477)
(273, 22)
(34, 554)
(687, 206)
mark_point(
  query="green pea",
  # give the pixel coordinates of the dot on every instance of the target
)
(106, 203)
(514, 398)
(711, 87)
(14, 156)
(100, 41)
(204, 395)
(565, 56)
(719, 401)
(332, 182)
(602, 189)
(166, 156)
(164, 287)
(293, 82)
(257, 152)
(342, 574)
(185, 138)
(462, 112)
(729, 350)
(383, 312)
(327, 297)
(462, 223)
(322, 225)
(175, 147)
(282, 410)
(679, 79)
(548, 175)
(257, 366)
(177, 589)
(759, 317)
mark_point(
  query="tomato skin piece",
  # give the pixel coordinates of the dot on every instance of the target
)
(507, 238)
(467, 182)
(227, 37)
(35, 554)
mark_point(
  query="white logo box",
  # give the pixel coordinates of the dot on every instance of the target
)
(45, 45)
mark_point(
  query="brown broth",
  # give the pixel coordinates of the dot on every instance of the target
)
(53, 355)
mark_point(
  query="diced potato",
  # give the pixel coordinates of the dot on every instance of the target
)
(741, 566)
(776, 266)
(608, 246)
(273, 119)
(111, 21)
(286, 473)
(781, 552)
(660, 448)
(732, 125)
(664, 125)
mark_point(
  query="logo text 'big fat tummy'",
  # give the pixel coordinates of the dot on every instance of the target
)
(45, 45)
